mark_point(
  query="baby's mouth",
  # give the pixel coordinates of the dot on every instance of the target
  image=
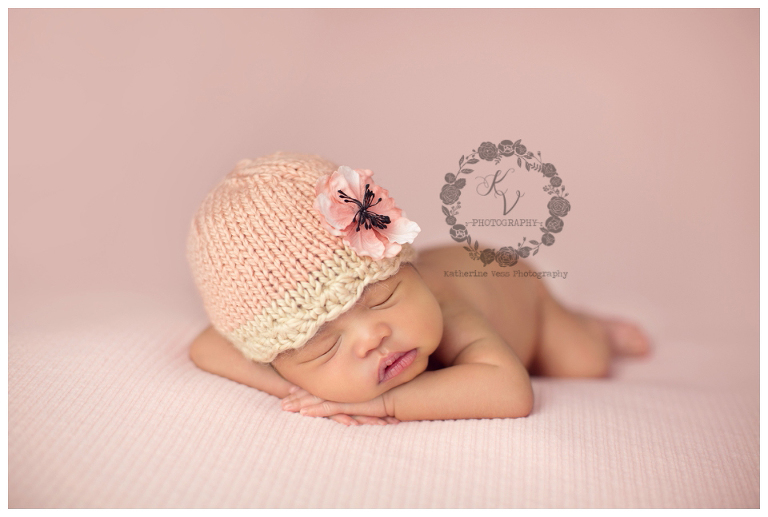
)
(395, 363)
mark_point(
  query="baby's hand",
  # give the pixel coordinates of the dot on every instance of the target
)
(372, 412)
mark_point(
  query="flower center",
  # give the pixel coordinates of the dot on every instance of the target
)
(364, 216)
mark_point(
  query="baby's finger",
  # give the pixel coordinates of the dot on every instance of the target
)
(288, 398)
(295, 393)
(325, 408)
(343, 419)
(370, 420)
(391, 420)
(299, 400)
(308, 400)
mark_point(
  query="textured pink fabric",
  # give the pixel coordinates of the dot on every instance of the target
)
(107, 410)
(121, 120)
(256, 236)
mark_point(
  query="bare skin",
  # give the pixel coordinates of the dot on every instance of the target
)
(515, 326)
(549, 339)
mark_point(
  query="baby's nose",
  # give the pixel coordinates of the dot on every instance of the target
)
(375, 339)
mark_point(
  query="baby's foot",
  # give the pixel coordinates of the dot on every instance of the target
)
(625, 338)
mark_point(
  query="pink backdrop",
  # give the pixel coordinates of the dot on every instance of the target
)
(120, 121)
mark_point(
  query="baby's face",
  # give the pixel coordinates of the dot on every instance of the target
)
(345, 361)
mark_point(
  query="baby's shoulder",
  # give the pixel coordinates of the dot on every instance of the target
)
(437, 268)
(463, 324)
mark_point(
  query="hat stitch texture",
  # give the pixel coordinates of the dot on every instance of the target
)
(268, 271)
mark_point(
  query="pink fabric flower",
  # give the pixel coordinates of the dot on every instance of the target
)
(355, 208)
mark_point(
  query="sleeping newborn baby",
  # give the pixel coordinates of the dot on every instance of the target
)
(316, 296)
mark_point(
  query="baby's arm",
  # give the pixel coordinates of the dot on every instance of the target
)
(212, 352)
(485, 379)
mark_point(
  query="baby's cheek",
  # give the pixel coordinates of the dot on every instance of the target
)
(430, 321)
(350, 387)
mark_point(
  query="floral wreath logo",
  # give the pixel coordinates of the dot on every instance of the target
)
(558, 206)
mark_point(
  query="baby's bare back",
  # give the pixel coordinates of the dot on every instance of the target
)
(509, 305)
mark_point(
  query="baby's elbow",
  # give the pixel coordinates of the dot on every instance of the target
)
(193, 353)
(521, 404)
(197, 353)
(527, 406)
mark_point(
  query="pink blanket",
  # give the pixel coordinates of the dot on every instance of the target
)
(107, 410)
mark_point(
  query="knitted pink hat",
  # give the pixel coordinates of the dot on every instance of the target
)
(275, 253)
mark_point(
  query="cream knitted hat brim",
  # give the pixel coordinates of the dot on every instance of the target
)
(268, 271)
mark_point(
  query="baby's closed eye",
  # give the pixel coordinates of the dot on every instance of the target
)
(331, 348)
(388, 298)
(373, 303)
